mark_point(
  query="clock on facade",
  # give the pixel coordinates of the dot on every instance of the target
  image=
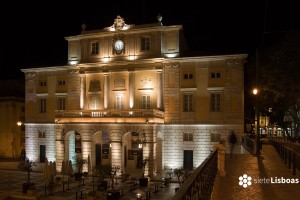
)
(119, 45)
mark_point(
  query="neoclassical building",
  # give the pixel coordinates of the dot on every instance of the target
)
(130, 92)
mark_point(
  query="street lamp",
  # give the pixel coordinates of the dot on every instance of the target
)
(257, 117)
(19, 123)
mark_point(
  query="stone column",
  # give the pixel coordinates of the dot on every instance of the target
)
(106, 91)
(159, 89)
(82, 90)
(115, 151)
(131, 89)
(221, 158)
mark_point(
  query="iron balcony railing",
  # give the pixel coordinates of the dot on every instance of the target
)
(199, 185)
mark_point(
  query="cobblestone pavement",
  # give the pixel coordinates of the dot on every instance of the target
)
(262, 169)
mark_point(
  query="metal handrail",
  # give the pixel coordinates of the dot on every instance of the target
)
(199, 185)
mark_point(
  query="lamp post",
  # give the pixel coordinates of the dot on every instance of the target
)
(257, 125)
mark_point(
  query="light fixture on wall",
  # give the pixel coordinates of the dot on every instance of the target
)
(142, 139)
(138, 196)
(105, 59)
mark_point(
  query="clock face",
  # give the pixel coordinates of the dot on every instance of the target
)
(119, 45)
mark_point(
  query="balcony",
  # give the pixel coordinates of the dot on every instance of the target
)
(109, 116)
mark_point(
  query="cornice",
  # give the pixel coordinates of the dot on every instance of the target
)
(137, 29)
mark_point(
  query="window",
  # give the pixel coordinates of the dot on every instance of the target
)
(188, 76)
(42, 134)
(215, 75)
(42, 104)
(145, 43)
(93, 102)
(94, 86)
(61, 103)
(215, 102)
(119, 102)
(43, 83)
(146, 102)
(95, 48)
(187, 136)
(187, 103)
(61, 82)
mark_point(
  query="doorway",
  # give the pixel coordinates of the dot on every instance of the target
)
(188, 159)
(42, 153)
(98, 154)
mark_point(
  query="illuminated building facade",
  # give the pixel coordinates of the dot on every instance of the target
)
(127, 93)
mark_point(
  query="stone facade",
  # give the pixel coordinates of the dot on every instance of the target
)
(119, 106)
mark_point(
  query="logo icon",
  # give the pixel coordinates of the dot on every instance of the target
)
(245, 180)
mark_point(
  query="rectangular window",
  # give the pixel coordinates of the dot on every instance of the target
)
(187, 103)
(215, 75)
(42, 105)
(43, 83)
(61, 82)
(95, 48)
(42, 134)
(94, 102)
(188, 76)
(61, 103)
(215, 102)
(146, 102)
(145, 43)
(119, 102)
(187, 136)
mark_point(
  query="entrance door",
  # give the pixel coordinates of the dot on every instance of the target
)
(98, 154)
(188, 159)
(42, 153)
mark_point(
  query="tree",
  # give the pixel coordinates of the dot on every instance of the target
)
(182, 175)
(106, 171)
(79, 163)
(279, 80)
(27, 165)
(179, 173)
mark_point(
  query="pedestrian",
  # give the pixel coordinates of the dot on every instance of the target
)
(232, 141)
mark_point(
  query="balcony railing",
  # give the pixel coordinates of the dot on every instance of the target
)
(111, 113)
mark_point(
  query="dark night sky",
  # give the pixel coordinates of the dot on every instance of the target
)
(33, 33)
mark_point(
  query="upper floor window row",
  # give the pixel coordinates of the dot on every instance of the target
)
(215, 75)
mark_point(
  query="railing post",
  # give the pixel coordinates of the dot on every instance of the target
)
(221, 158)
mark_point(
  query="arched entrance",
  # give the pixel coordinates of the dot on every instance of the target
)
(100, 148)
(132, 148)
